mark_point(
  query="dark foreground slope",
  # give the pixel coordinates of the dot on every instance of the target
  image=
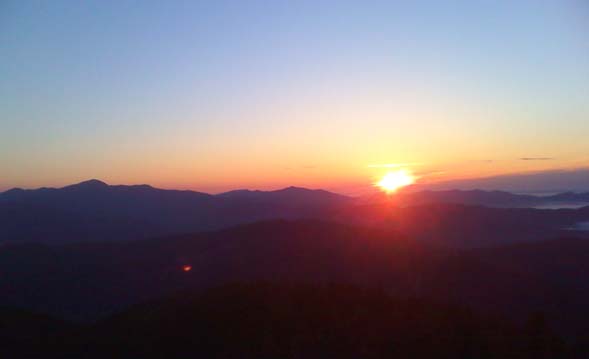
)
(24, 334)
(89, 281)
(296, 321)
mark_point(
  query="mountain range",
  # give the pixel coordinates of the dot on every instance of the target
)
(95, 211)
(133, 261)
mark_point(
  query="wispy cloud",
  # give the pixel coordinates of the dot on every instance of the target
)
(393, 165)
(536, 158)
(432, 173)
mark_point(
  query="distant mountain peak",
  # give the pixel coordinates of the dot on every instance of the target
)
(14, 190)
(92, 183)
(12, 193)
(293, 189)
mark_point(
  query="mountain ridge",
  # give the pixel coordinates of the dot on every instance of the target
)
(475, 196)
(93, 211)
(94, 184)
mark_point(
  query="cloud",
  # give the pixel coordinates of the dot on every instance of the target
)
(393, 165)
(431, 173)
(536, 158)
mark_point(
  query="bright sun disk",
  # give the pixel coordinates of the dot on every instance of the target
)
(394, 180)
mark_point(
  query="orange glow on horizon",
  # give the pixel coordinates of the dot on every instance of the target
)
(187, 268)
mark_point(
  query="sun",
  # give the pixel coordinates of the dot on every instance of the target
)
(394, 180)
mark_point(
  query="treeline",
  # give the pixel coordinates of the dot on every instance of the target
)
(284, 321)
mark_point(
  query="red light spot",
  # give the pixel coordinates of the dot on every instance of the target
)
(186, 268)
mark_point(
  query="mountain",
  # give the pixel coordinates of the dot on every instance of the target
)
(93, 210)
(26, 334)
(468, 226)
(473, 197)
(570, 197)
(464, 267)
(96, 211)
(87, 281)
(491, 198)
(268, 320)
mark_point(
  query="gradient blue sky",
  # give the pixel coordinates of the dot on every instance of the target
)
(214, 95)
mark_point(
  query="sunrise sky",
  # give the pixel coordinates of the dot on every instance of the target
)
(218, 95)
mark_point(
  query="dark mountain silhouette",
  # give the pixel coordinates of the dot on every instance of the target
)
(266, 320)
(458, 225)
(93, 210)
(86, 281)
(25, 334)
(490, 198)
(297, 195)
(570, 196)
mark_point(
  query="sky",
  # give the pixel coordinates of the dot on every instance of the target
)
(218, 95)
